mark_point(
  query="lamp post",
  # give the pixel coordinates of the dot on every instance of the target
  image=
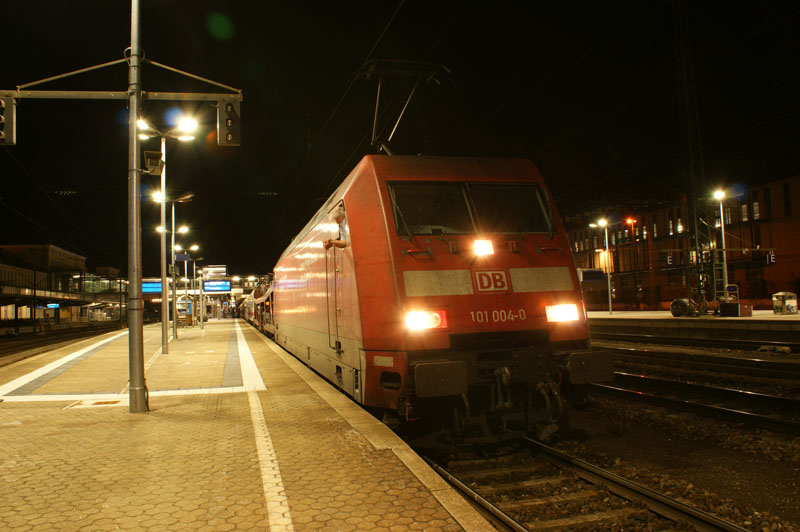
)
(604, 224)
(200, 292)
(186, 125)
(631, 222)
(719, 195)
(183, 198)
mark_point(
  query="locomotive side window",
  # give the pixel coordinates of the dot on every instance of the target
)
(430, 208)
(510, 208)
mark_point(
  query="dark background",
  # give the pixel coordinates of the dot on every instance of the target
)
(586, 90)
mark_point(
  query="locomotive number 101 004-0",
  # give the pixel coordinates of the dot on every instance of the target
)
(497, 316)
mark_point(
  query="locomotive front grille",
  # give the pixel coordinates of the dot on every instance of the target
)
(498, 340)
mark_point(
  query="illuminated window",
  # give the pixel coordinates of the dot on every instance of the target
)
(680, 226)
(671, 232)
(744, 212)
(728, 215)
(756, 214)
(655, 230)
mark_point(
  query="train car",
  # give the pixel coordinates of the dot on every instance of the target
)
(430, 287)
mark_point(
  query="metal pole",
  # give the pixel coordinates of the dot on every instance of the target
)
(174, 281)
(202, 302)
(164, 290)
(137, 389)
(608, 267)
(186, 286)
(194, 282)
(724, 258)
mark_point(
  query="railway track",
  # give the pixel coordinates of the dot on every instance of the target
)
(16, 348)
(754, 409)
(538, 488)
(740, 344)
(752, 367)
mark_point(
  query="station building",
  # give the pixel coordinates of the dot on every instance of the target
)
(651, 252)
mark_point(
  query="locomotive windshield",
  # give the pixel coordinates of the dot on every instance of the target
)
(424, 208)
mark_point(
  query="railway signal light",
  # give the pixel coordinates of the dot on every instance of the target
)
(8, 128)
(229, 123)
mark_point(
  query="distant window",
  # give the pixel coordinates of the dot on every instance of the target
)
(635, 231)
(717, 221)
(581, 245)
(680, 226)
(655, 230)
(671, 232)
(787, 200)
(756, 213)
(728, 215)
(744, 212)
(594, 241)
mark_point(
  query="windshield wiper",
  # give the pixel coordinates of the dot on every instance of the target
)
(400, 214)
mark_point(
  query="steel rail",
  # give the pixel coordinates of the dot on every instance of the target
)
(703, 409)
(475, 496)
(661, 504)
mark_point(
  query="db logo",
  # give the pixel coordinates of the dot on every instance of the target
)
(491, 281)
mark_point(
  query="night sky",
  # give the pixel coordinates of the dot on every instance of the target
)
(586, 90)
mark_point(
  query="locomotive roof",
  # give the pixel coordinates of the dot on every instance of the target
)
(425, 168)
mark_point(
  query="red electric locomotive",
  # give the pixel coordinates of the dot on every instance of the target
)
(430, 286)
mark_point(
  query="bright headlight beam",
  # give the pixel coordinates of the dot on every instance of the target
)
(483, 247)
(567, 312)
(417, 320)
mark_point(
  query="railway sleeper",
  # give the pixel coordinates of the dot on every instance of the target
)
(553, 499)
(534, 483)
(568, 523)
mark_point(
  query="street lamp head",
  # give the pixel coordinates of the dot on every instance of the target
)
(185, 138)
(160, 229)
(183, 229)
(158, 197)
(719, 194)
(178, 247)
(592, 225)
(187, 125)
(602, 222)
(142, 124)
(183, 198)
(194, 247)
(630, 220)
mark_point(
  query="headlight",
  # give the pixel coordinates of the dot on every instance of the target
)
(567, 312)
(418, 320)
(483, 247)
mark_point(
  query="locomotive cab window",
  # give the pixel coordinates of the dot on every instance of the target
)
(510, 208)
(430, 208)
(425, 208)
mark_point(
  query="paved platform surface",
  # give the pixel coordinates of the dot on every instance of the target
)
(239, 436)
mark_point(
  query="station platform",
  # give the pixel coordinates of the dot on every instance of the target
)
(239, 436)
